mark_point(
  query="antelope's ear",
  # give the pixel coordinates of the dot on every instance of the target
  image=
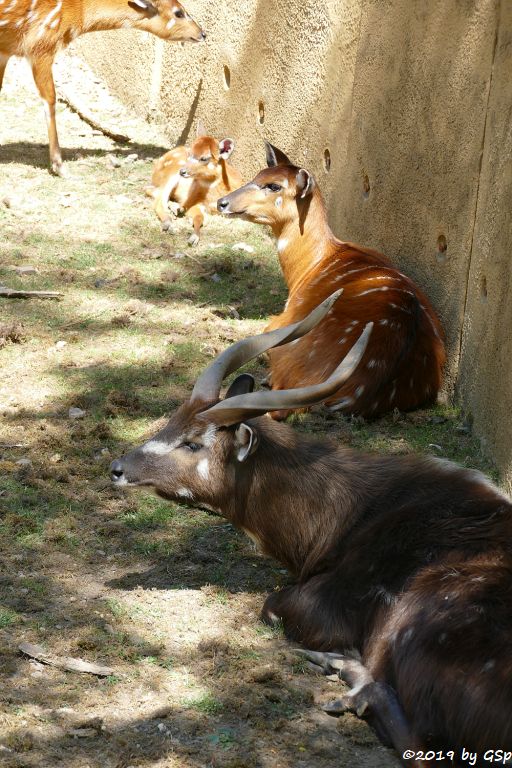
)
(246, 442)
(145, 7)
(200, 129)
(305, 183)
(226, 147)
(242, 385)
(275, 156)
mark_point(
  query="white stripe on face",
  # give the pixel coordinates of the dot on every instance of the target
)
(159, 447)
(203, 469)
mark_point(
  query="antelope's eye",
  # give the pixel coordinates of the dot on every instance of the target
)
(204, 159)
(179, 13)
(274, 187)
(192, 447)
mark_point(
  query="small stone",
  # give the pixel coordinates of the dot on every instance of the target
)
(131, 158)
(178, 255)
(161, 727)
(24, 462)
(76, 413)
(438, 420)
(114, 161)
(435, 447)
(242, 247)
(215, 278)
(60, 344)
(26, 270)
(55, 458)
(234, 313)
(83, 733)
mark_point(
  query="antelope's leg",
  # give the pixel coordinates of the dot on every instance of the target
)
(378, 701)
(196, 213)
(43, 77)
(161, 196)
(3, 63)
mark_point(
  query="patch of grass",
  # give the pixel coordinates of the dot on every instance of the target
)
(206, 703)
(7, 617)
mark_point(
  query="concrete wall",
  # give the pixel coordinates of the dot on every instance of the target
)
(406, 96)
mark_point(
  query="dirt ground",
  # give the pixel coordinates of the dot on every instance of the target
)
(167, 597)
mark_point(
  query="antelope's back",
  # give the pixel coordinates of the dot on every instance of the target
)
(402, 365)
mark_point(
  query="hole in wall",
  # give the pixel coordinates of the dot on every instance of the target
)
(366, 186)
(483, 288)
(327, 160)
(261, 112)
(226, 73)
(442, 247)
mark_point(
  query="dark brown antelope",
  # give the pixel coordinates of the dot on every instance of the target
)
(402, 564)
(38, 29)
(402, 366)
(193, 177)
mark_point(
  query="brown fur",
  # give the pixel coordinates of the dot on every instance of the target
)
(402, 367)
(408, 560)
(198, 192)
(38, 29)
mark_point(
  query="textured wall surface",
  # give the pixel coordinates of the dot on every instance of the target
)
(411, 101)
(486, 361)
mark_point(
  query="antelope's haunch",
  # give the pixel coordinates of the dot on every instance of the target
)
(407, 560)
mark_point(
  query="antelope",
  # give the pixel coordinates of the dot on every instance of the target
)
(194, 178)
(402, 565)
(403, 363)
(38, 29)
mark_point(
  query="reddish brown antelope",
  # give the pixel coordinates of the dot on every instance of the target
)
(38, 29)
(402, 367)
(193, 177)
(402, 564)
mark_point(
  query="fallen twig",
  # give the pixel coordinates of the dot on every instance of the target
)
(4, 446)
(64, 662)
(11, 293)
(119, 137)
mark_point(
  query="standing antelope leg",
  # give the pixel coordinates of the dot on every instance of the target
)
(43, 77)
(3, 63)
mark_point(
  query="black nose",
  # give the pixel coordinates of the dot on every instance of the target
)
(222, 204)
(116, 470)
(184, 173)
(203, 35)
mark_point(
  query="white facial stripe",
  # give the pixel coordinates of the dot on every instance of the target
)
(203, 469)
(159, 447)
(171, 23)
(210, 435)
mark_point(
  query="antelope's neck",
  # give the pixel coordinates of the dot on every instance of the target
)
(101, 16)
(303, 243)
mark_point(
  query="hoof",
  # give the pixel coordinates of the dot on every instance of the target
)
(193, 239)
(58, 169)
(335, 708)
(167, 226)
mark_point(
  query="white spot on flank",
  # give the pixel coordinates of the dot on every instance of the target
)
(184, 493)
(53, 13)
(372, 290)
(203, 469)
(371, 364)
(342, 404)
